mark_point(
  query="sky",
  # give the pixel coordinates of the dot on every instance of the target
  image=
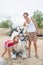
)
(16, 8)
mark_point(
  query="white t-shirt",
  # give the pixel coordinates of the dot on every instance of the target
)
(31, 27)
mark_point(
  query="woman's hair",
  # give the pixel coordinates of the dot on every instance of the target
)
(26, 13)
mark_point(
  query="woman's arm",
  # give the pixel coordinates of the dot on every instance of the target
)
(24, 24)
(35, 23)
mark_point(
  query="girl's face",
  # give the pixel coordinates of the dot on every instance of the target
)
(16, 39)
(25, 16)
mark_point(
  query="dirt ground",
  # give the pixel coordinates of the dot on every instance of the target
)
(28, 61)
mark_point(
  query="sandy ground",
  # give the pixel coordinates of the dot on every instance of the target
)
(28, 61)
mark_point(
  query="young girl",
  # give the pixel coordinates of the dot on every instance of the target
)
(10, 43)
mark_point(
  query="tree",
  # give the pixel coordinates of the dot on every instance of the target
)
(38, 16)
(6, 24)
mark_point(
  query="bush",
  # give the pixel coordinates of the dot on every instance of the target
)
(38, 16)
(6, 24)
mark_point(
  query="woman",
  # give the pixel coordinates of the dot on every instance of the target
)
(32, 29)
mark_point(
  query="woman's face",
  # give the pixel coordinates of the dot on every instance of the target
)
(25, 16)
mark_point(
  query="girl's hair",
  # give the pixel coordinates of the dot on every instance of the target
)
(26, 13)
(15, 36)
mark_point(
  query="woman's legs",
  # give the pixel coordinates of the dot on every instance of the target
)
(33, 37)
(29, 48)
(35, 47)
(29, 40)
(35, 44)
